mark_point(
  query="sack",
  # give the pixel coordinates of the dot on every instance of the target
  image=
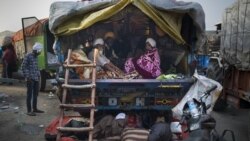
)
(196, 90)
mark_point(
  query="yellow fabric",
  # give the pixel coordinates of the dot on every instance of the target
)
(168, 22)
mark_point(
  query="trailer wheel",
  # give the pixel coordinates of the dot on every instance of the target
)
(43, 78)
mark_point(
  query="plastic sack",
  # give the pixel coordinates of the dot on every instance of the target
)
(196, 91)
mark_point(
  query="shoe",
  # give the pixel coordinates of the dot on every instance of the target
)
(38, 111)
(31, 114)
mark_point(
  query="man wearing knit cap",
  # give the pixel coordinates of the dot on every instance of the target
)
(32, 75)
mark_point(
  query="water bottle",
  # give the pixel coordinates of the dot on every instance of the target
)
(192, 108)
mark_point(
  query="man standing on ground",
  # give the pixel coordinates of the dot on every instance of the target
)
(32, 75)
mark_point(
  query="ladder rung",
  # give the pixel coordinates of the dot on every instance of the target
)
(85, 106)
(79, 86)
(79, 65)
(74, 129)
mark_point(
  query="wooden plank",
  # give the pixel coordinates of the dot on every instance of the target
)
(74, 129)
(86, 106)
(79, 65)
(79, 86)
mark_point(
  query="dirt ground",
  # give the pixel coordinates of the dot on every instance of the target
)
(15, 125)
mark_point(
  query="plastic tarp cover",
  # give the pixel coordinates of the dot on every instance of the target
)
(235, 35)
(69, 17)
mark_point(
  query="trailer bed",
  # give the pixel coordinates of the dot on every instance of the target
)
(132, 94)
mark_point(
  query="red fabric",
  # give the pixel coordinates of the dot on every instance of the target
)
(51, 129)
(131, 121)
(9, 56)
(147, 65)
(67, 139)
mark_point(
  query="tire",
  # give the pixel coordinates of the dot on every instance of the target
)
(43, 78)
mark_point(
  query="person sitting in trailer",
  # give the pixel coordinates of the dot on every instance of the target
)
(146, 65)
(104, 65)
(109, 39)
(116, 48)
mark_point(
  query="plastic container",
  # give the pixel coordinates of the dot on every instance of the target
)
(193, 108)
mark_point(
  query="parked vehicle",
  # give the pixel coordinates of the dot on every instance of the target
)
(132, 22)
(234, 51)
(35, 30)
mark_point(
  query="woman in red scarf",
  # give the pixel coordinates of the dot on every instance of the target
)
(148, 64)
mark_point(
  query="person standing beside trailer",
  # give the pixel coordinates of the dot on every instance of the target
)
(32, 75)
(9, 58)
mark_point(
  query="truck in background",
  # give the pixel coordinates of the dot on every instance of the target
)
(235, 51)
(35, 30)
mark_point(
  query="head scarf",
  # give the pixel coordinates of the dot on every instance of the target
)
(98, 41)
(38, 47)
(151, 42)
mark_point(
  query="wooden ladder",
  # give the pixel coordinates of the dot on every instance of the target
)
(90, 106)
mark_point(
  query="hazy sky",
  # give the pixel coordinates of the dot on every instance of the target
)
(11, 11)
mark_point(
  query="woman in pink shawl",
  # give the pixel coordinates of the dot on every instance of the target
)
(148, 64)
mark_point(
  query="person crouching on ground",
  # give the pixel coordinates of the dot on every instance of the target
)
(32, 75)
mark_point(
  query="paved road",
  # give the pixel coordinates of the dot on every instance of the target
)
(235, 120)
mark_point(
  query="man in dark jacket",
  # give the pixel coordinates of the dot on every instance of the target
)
(32, 75)
(9, 58)
(160, 131)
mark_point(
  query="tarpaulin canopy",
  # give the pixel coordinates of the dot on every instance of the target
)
(235, 34)
(70, 17)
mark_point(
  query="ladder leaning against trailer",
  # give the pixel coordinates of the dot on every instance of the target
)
(90, 106)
